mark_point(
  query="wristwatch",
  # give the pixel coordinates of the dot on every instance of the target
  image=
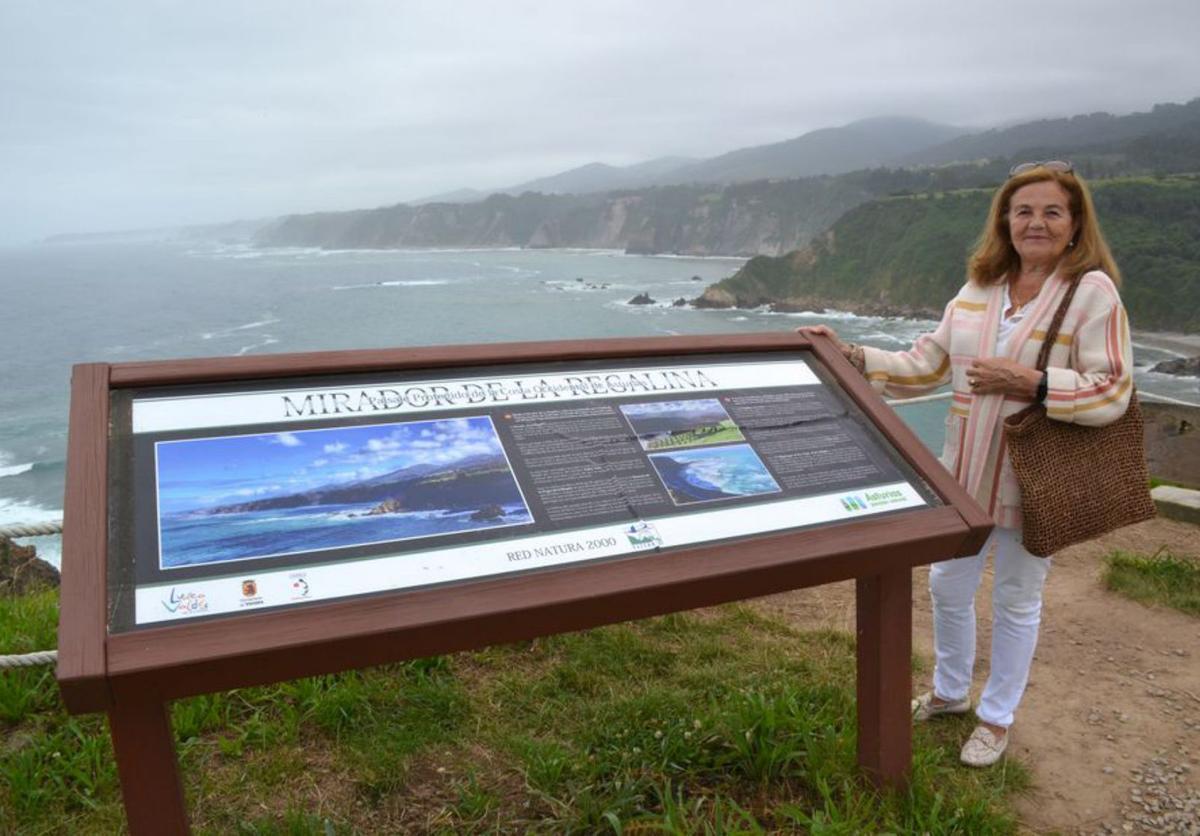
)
(1043, 387)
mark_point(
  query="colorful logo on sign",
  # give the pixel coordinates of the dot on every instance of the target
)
(854, 503)
(643, 535)
(250, 596)
(300, 588)
(185, 603)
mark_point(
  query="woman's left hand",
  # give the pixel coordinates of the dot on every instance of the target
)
(1001, 376)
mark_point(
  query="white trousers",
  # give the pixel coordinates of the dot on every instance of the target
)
(1016, 614)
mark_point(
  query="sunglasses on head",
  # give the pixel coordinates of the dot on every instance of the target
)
(1052, 165)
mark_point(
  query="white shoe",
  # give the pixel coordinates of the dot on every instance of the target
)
(923, 707)
(983, 747)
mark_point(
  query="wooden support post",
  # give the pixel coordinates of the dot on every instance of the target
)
(150, 785)
(884, 627)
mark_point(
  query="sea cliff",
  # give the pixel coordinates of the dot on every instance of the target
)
(905, 256)
(745, 219)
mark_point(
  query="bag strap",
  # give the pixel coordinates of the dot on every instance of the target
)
(1055, 324)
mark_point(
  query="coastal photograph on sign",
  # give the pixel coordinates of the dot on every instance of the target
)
(711, 474)
(663, 425)
(252, 496)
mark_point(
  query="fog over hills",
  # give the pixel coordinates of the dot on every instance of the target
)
(894, 141)
(774, 210)
(861, 144)
(767, 199)
(1069, 134)
(867, 143)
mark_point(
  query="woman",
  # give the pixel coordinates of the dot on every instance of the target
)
(1041, 233)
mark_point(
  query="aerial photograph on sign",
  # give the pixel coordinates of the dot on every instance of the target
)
(686, 423)
(250, 496)
(713, 473)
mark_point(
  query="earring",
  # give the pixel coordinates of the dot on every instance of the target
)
(1070, 244)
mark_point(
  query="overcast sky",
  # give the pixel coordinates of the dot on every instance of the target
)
(120, 115)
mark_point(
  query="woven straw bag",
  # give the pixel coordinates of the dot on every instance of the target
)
(1076, 482)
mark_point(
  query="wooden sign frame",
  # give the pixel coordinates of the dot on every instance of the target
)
(132, 676)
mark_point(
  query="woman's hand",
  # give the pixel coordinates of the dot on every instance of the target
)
(1001, 376)
(825, 331)
(853, 353)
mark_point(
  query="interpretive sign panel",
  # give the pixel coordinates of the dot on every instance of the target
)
(238, 521)
(252, 497)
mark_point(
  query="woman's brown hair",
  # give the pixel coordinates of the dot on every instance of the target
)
(995, 257)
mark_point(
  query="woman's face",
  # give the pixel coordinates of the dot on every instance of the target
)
(1040, 222)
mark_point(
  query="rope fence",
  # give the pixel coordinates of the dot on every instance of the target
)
(29, 660)
(50, 657)
(31, 529)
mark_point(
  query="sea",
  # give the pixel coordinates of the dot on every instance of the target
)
(62, 304)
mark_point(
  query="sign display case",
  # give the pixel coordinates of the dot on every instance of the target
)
(237, 521)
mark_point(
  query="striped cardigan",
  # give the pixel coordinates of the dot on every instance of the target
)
(1089, 375)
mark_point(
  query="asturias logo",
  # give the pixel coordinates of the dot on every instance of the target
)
(250, 596)
(186, 603)
(891, 496)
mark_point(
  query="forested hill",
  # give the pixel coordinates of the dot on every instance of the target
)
(907, 255)
(764, 217)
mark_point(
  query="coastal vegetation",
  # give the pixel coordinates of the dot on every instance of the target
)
(1164, 579)
(719, 720)
(721, 433)
(906, 255)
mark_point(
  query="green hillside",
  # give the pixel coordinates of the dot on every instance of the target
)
(907, 255)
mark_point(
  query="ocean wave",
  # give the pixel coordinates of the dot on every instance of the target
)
(15, 469)
(678, 257)
(880, 336)
(233, 331)
(395, 283)
(15, 511)
(826, 314)
(246, 349)
(571, 286)
(1158, 349)
(259, 323)
(841, 315)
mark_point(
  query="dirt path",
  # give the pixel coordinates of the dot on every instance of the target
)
(1110, 725)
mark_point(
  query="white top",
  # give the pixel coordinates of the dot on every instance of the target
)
(1009, 324)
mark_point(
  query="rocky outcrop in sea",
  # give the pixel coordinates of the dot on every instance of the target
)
(718, 297)
(22, 571)
(1184, 367)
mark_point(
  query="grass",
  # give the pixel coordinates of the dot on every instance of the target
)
(721, 433)
(716, 721)
(1155, 482)
(1164, 578)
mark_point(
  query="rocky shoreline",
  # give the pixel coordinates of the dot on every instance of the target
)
(1182, 367)
(22, 571)
(717, 298)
